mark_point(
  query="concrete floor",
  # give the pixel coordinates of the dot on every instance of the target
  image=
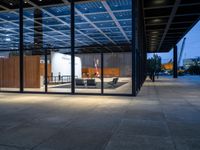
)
(164, 116)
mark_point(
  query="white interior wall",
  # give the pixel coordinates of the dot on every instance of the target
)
(61, 63)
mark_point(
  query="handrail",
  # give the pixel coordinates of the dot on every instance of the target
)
(59, 79)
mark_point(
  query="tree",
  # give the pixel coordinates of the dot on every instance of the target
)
(153, 65)
(195, 69)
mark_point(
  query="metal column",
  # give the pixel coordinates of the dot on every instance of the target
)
(72, 48)
(21, 47)
(134, 53)
(175, 73)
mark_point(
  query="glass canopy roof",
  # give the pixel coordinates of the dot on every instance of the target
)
(97, 23)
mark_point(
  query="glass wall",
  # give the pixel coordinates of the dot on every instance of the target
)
(88, 73)
(102, 48)
(9, 43)
(34, 63)
(117, 73)
(105, 27)
(47, 33)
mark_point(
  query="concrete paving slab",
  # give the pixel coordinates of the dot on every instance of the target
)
(122, 142)
(164, 116)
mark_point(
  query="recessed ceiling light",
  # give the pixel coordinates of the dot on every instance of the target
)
(156, 20)
(159, 1)
(154, 32)
(11, 4)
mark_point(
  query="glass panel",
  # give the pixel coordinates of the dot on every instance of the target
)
(105, 27)
(118, 64)
(88, 73)
(47, 28)
(117, 73)
(9, 71)
(59, 73)
(34, 71)
(9, 46)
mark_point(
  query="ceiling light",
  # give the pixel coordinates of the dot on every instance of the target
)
(156, 20)
(154, 32)
(11, 4)
(159, 1)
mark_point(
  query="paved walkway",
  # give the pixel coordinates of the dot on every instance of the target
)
(164, 116)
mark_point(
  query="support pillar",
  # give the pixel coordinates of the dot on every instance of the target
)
(38, 32)
(175, 67)
(134, 46)
(21, 47)
(72, 47)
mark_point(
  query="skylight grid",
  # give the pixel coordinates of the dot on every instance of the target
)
(59, 10)
(90, 7)
(119, 4)
(94, 24)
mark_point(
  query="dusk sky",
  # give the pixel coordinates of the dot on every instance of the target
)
(192, 45)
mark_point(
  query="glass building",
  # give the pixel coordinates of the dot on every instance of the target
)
(79, 46)
(67, 47)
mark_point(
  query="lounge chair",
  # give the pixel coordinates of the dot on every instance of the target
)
(79, 82)
(113, 83)
(91, 83)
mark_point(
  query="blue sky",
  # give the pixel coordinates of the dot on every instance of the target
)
(192, 45)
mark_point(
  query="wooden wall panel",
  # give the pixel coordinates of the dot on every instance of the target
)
(123, 61)
(9, 70)
(31, 71)
(108, 72)
(1, 72)
(42, 69)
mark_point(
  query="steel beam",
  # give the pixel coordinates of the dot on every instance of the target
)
(175, 67)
